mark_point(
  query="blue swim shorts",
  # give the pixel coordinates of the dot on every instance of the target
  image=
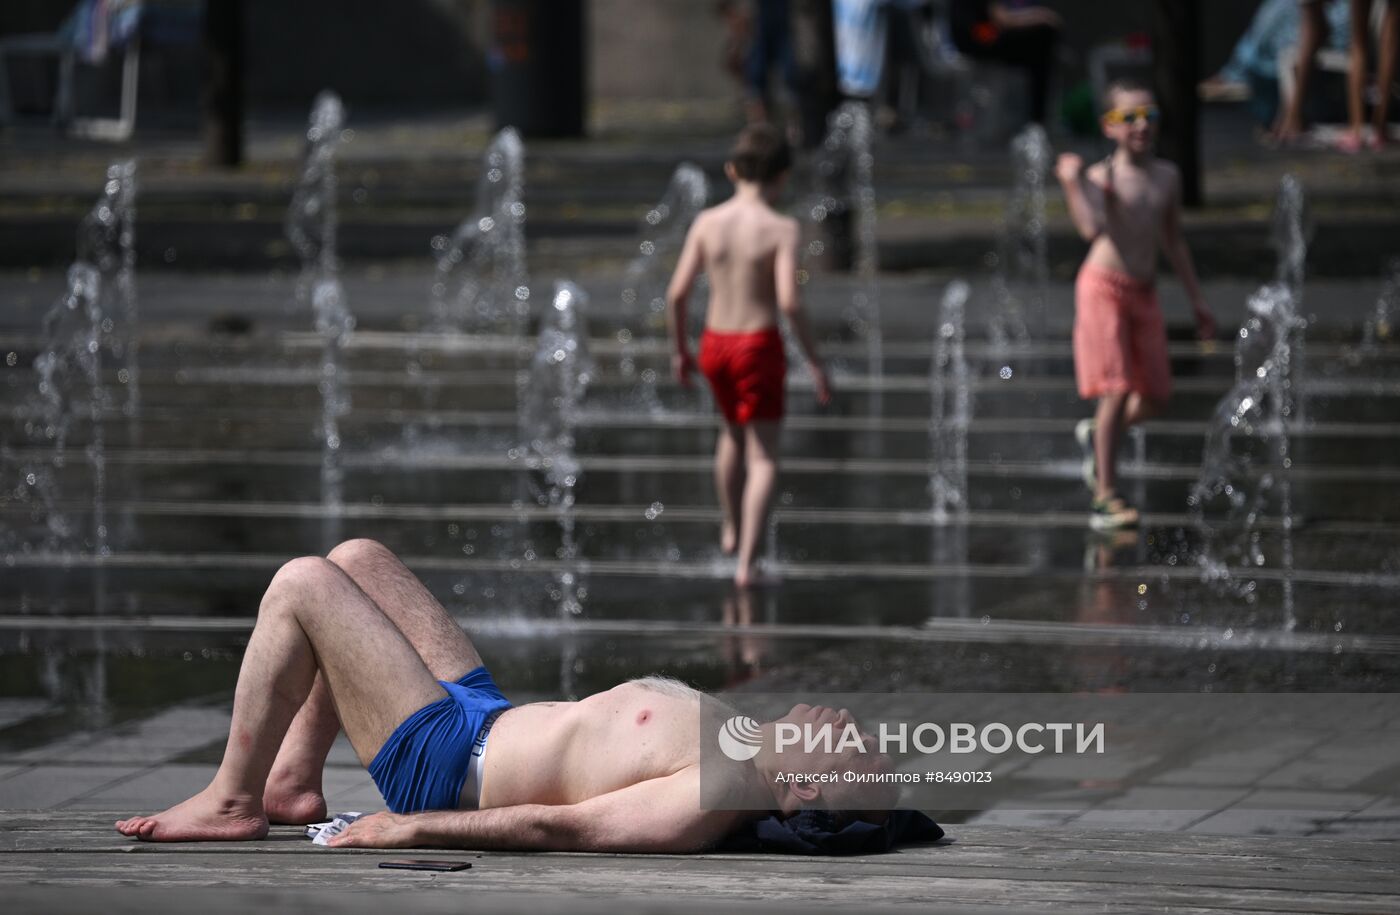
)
(424, 763)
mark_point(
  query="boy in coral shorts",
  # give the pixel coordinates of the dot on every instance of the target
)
(1127, 207)
(750, 252)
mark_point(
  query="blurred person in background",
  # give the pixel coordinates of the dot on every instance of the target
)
(1016, 32)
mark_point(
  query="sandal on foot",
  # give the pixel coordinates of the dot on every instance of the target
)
(1111, 514)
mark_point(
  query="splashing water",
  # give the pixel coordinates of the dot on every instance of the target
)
(107, 240)
(1380, 327)
(92, 322)
(1292, 229)
(481, 282)
(311, 228)
(844, 190)
(950, 408)
(1021, 274)
(1246, 464)
(647, 274)
(69, 368)
(550, 397)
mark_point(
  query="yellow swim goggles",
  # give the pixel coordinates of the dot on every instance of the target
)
(1149, 113)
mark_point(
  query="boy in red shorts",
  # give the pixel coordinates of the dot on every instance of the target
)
(750, 252)
(1127, 207)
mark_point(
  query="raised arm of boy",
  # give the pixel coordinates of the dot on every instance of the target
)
(688, 268)
(1179, 255)
(785, 267)
(1083, 200)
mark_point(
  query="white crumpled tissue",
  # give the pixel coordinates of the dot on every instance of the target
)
(322, 833)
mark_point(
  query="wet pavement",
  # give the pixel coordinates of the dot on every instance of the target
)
(118, 671)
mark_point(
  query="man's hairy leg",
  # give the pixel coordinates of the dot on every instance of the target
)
(761, 464)
(294, 788)
(312, 614)
(729, 483)
(295, 791)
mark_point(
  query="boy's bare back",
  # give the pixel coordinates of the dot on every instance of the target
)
(749, 252)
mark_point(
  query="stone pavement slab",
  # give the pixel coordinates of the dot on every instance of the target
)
(40, 787)
(15, 711)
(48, 862)
(163, 736)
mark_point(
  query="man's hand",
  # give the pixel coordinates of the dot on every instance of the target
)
(820, 384)
(682, 365)
(1205, 322)
(378, 830)
(1068, 167)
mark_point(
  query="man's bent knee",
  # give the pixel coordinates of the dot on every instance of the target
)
(300, 578)
(360, 551)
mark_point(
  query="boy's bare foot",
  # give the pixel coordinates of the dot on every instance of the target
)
(294, 804)
(209, 816)
(728, 538)
(755, 578)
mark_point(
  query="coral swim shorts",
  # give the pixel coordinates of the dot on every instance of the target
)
(747, 372)
(1120, 339)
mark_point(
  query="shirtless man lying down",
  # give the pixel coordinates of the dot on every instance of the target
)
(354, 640)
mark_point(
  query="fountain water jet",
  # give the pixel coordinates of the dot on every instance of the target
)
(950, 408)
(645, 279)
(844, 194)
(1020, 274)
(1380, 327)
(1291, 231)
(950, 415)
(311, 229)
(92, 322)
(549, 401)
(481, 282)
(1246, 463)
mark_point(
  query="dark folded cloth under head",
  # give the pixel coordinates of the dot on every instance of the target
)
(816, 832)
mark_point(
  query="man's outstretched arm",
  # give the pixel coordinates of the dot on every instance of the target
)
(660, 816)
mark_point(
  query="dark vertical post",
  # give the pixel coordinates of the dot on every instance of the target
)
(1175, 65)
(814, 59)
(538, 66)
(223, 83)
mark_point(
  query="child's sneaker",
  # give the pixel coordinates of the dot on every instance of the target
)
(1111, 514)
(1084, 435)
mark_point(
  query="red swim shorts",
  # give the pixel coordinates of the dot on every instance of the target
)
(746, 372)
(1120, 339)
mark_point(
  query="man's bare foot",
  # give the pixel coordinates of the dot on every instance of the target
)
(207, 817)
(728, 538)
(294, 804)
(756, 578)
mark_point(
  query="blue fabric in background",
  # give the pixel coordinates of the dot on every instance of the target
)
(813, 832)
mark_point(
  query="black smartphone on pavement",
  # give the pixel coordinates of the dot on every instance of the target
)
(424, 864)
